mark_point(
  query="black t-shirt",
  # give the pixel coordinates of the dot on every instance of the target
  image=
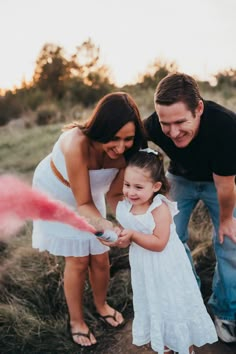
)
(213, 150)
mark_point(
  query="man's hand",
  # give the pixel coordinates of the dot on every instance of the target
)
(227, 228)
(226, 192)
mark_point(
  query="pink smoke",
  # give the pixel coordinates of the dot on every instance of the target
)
(20, 202)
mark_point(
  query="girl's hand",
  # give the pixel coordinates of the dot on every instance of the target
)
(125, 238)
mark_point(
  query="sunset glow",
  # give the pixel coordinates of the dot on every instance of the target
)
(198, 36)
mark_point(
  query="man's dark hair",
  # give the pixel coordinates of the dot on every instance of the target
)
(178, 87)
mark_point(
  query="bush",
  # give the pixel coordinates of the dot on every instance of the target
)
(47, 114)
(10, 108)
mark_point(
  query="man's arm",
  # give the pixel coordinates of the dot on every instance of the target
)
(226, 191)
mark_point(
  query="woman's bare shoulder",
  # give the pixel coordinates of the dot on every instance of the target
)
(73, 140)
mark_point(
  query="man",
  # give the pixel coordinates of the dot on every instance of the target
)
(199, 137)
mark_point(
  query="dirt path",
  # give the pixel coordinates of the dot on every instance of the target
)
(124, 345)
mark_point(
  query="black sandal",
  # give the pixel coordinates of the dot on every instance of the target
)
(104, 319)
(80, 334)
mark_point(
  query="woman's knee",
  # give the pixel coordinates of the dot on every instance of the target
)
(100, 261)
(76, 264)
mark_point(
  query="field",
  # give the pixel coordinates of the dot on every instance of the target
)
(33, 313)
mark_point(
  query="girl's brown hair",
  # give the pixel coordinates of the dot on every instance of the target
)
(154, 164)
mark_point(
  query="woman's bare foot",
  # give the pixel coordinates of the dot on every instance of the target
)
(82, 335)
(169, 351)
(110, 315)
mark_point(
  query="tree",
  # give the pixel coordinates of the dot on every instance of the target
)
(51, 70)
(226, 78)
(155, 72)
(89, 78)
(85, 64)
(81, 77)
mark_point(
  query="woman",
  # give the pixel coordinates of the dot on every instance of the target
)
(86, 164)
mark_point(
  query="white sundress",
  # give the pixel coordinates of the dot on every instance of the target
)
(168, 306)
(59, 238)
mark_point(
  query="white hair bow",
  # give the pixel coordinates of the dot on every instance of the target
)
(150, 151)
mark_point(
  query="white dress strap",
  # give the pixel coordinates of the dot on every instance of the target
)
(157, 201)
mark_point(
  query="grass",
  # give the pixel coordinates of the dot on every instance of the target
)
(33, 312)
(22, 149)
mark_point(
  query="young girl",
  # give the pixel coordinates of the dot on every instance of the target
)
(168, 308)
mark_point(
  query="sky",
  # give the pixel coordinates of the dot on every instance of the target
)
(199, 36)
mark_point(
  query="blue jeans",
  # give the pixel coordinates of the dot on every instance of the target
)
(187, 194)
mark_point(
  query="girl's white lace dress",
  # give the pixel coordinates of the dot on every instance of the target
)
(62, 239)
(168, 306)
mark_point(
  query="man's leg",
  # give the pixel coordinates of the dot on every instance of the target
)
(223, 298)
(184, 192)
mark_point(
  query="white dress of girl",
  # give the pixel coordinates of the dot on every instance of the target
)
(168, 306)
(62, 239)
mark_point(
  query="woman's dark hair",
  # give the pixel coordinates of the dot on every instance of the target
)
(111, 113)
(178, 87)
(152, 163)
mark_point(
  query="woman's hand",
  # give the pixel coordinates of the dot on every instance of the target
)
(101, 224)
(117, 230)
